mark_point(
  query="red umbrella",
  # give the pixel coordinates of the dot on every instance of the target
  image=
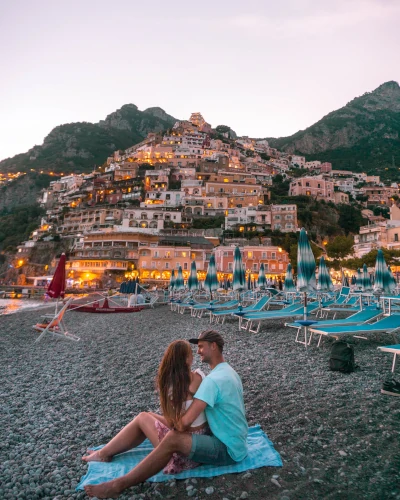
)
(56, 288)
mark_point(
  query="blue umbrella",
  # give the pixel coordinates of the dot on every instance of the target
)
(179, 283)
(383, 281)
(353, 279)
(324, 280)
(261, 276)
(172, 280)
(359, 279)
(366, 280)
(211, 281)
(123, 287)
(288, 283)
(305, 267)
(239, 278)
(393, 283)
(193, 282)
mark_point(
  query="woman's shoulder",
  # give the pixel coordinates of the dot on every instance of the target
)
(198, 374)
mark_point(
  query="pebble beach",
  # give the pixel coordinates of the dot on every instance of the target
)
(337, 435)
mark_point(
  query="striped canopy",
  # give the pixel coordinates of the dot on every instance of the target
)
(359, 279)
(239, 278)
(193, 282)
(324, 280)
(288, 284)
(383, 280)
(305, 264)
(172, 280)
(211, 282)
(366, 280)
(261, 276)
(392, 278)
(179, 283)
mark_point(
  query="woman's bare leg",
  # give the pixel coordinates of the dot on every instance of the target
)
(133, 434)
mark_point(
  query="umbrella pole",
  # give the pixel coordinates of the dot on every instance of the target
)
(305, 306)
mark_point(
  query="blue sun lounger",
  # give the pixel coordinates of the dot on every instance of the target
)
(394, 349)
(198, 310)
(390, 324)
(288, 312)
(258, 306)
(359, 318)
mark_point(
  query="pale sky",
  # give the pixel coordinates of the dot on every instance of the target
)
(265, 68)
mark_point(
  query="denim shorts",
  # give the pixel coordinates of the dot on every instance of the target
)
(209, 450)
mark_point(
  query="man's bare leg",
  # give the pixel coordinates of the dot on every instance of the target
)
(154, 462)
(133, 434)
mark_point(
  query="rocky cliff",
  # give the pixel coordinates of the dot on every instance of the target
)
(77, 147)
(364, 134)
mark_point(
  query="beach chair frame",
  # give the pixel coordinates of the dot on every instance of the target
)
(56, 326)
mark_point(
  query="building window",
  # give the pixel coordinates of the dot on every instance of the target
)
(230, 266)
(167, 265)
(273, 255)
(153, 265)
(144, 264)
(396, 237)
(177, 265)
(185, 266)
(249, 255)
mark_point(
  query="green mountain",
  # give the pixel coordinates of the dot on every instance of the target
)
(364, 135)
(77, 147)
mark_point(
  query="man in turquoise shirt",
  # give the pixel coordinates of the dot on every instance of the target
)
(220, 395)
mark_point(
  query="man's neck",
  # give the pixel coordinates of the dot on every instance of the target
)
(216, 362)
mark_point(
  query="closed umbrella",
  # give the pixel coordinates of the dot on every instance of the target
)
(324, 280)
(193, 282)
(249, 282)
(261, 282)
(123, 287)
(305, 267)
(345, 279)
(359, 279)
(366, 280)
(56, 289)
(211, 281)
(288, 284)
(179, 283)
(382, 276)
(172, 280)
(239, 278)
(393, 283)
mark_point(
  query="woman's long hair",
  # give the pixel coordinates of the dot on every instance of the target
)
(173, 380)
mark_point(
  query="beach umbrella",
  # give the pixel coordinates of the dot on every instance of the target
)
(122, 288)
(393, 283)
(239, 278)
(383, 281)
(179, 283)
(305, 267)
(193, 282)
(345, 279)
(172, 280)
(366, 280)
(56, 289)
(324, 280)
(353, 279)
(288, 284)
(211, 281)
(249, 282)
(228, 284)
(359, 279)
(261, 276)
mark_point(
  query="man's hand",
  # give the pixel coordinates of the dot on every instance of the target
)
(190, 416)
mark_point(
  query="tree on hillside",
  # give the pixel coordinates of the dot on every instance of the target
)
(350, 218)
(340, 247)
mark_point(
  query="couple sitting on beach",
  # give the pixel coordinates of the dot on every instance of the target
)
(203, 419)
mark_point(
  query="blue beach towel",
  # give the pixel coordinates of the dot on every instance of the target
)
(261, 454)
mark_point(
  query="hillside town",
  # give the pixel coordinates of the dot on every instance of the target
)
(180, 196)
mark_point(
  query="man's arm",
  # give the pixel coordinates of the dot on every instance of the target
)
(190, 416)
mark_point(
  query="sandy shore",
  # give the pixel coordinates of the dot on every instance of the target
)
(337, 435)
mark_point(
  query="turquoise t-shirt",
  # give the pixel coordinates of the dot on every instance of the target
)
(222, 390)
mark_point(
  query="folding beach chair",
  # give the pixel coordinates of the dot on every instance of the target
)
(359, 318)
(288, 312)
(395, 350)
(56, 326)
(218, 316)
(199, 310)
(389, 324)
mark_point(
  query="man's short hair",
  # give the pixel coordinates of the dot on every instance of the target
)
(209, 336)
